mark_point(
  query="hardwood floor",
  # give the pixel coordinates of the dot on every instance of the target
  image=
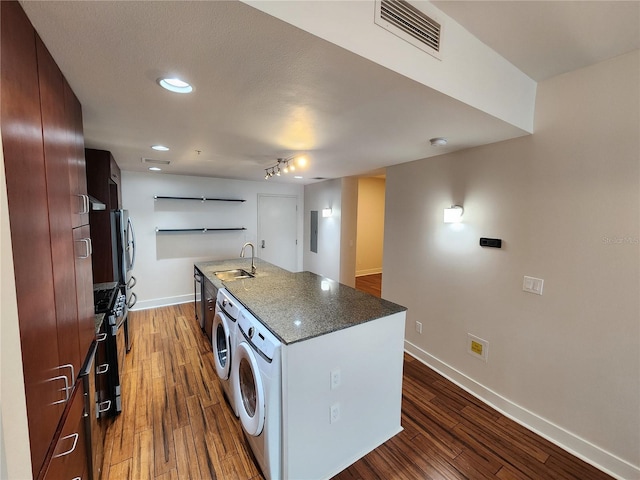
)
(177, 425)
(370, 283)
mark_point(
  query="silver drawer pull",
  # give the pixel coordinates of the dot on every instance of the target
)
(104, 368)
(85, 204)
(87, 247)
(73, 447)
(103, 407)
(73, 371)
(65, 389)
(101, 337)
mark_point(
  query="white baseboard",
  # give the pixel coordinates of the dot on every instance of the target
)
(369, 271)
(566, 440)
(162, 302)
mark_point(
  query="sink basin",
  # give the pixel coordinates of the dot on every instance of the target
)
(229, 275)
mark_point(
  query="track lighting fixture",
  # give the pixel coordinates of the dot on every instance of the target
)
(284, 165)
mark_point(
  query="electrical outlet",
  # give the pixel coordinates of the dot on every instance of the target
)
(477, 347)
(335, 378)
(419, 327)
(334, 413)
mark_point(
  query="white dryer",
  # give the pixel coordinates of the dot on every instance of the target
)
(257, 379)
(223, 342)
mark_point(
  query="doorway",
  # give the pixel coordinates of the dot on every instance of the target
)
(278, 230)
(370, 234)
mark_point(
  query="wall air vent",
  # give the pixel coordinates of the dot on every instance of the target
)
(155, 162)
(407, 22)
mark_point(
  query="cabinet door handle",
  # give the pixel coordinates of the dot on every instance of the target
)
(73, 447)
(65, 389)
(87, 246)
(73, 371)
(262, 244)
(85, 204)
(101, 369)
(101, 337)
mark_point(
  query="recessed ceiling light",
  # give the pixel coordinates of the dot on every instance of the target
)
(155, 169)
(160, 148)
(438, 142)
(175, 85)
(297, 176)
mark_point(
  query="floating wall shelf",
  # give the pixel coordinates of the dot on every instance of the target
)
(201, 199)
(197, 230)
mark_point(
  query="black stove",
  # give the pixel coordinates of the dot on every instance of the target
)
(107, 298)
(109, 301)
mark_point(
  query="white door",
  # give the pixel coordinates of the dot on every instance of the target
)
(278, 230)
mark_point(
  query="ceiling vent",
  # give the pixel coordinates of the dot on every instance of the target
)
(151, 161)
(410, 24)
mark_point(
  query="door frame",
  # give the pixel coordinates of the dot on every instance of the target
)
(299, 235)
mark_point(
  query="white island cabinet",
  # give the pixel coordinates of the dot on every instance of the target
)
(341, 358)
(354, 375)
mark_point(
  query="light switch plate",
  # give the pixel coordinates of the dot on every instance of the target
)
(533, 285)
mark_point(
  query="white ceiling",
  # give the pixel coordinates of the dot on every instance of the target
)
(265, 89)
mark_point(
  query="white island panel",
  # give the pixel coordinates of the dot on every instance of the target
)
(369, 358)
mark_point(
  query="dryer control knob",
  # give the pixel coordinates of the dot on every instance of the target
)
(251, 330)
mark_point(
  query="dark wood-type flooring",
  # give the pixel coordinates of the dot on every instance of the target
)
(177, 425)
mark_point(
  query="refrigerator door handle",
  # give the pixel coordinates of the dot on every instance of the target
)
(131, 243)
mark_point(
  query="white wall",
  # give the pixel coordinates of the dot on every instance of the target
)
(327, 194)
(371, 192)
(348, 230)
(164, 263)
(566, 202)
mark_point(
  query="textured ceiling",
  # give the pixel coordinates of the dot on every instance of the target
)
(263, 89)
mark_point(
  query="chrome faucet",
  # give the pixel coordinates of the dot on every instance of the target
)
(253, 251)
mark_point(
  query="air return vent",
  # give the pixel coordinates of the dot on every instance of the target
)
(155, 162)
(410, 24)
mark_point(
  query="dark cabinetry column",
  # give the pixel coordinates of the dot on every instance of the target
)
(41, 138)
(103, 183)
(29, 219)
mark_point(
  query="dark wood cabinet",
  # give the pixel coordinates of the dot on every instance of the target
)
(41, 125)
(77, 170)
(103, 183)
(84, 286)
(56, 157)
(29, 220)
(69, 454)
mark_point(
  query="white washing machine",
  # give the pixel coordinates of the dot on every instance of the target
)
(224, 340)
(257, 379)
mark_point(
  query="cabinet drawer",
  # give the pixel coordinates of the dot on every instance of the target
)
(69, 459)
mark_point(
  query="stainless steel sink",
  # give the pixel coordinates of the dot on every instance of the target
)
(229, 275)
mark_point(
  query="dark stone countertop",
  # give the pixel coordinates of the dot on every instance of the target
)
(298, 306)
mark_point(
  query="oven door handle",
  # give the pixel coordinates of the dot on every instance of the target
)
(135, 300)
(102, 369)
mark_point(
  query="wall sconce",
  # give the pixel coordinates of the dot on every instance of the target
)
(326, 212)
(453, 214)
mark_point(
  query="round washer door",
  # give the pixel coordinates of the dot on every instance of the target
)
(250, 391)
(221, 343)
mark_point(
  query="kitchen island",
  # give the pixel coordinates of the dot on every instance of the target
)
(342, 356)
